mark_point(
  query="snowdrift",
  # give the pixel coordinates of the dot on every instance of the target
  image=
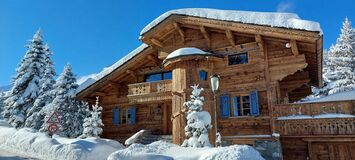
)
(161, 150)
(30, 143)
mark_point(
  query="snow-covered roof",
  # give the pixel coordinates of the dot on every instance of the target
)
(273, 19)
(341, 96)
(108, 70)
(186, 52)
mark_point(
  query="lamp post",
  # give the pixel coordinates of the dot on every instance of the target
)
(214, 86)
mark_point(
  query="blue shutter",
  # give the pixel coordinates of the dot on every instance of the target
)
(236, 105)
(225, 106)
(116, 116)
(132, 119)
(254, 100)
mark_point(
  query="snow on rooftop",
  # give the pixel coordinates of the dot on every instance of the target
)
(273, 19)
(341, 96)
(186, 52)
(108, 70)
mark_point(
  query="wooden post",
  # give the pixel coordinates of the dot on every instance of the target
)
(165, 119)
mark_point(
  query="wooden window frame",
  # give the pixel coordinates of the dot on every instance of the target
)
(232, 54)
(241, 105)
(125, 112)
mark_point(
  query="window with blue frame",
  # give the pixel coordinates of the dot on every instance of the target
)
(244, 105)
(124, 115)
(203, 75)
(240, 58)
(158, 76)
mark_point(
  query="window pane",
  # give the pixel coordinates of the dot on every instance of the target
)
(124, 116)
(238, 59)
(167, 75)
(246, 105)
(203, 75)
(153, 77)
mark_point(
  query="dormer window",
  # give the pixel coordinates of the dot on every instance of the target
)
(240, 58)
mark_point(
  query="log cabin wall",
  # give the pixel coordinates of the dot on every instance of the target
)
(148, 117)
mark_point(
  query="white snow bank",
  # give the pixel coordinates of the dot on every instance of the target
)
(325, 115)
(31, 143)
(134, 138)
(108, 70)
(163, 150)
(341, 96)
(286, 20)
(185, 52)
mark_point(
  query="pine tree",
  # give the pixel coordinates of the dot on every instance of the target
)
(340, 70)
(198, 121)
(35, 116)
(26, 83)
(92, 124)
(68, 109)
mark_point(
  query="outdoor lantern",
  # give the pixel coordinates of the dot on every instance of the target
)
(214, 83)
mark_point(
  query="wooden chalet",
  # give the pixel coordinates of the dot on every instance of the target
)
(263, 69)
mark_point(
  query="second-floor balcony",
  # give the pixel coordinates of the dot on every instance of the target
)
(315, 119)
(150, 91)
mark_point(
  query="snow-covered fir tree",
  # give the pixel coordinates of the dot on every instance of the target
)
(2, 98)
(70, 111)
(198, 121)
(341, 74)
(35, 116)
(93, 123)
(26, 83)
(338, 65)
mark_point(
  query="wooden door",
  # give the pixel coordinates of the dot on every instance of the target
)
(332, 151)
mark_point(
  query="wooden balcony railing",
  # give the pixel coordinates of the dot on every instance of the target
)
(313, 119)
(149, 91)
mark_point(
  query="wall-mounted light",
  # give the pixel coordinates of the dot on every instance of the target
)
(288, 45)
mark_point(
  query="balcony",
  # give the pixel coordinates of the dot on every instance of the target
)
(149, 91)
(315, 119)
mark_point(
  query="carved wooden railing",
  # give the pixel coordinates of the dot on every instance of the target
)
(307, 120)
(149, 87)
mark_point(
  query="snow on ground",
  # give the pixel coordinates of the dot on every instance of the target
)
(161, 150)
(285, 20)
(325, 115)
(342, 96)
(31, 143)
(134, 138)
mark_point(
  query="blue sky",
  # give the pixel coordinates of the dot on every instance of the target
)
(93, 34)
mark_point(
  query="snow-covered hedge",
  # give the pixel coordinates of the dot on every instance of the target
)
(30, 143)
(161, 150)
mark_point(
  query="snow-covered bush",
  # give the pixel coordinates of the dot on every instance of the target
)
(92, 124)
(198, 121)
(26, 83)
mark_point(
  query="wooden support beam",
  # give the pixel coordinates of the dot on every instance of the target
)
(179, 29)
(206, 35)
(157, 42)
(132, 73)
(100, 94)
(114, 85)
(230, 37)
(294, 47)
(154, 60)
(260, 41)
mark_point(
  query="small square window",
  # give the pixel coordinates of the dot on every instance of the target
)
(203, 75)
(241, 58)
